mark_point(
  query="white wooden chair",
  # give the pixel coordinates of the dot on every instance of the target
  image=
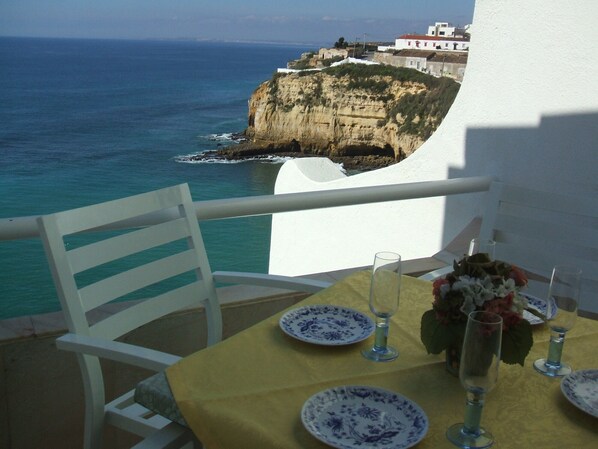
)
(85, 279)
(537, 230)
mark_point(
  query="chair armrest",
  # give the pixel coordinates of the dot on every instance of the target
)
(118, 351)
(432, 275)
(271, 280)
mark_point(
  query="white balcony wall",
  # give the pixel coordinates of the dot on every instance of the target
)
(527, 113)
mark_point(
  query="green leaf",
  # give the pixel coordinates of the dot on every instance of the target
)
(437, 336)
(516, 343)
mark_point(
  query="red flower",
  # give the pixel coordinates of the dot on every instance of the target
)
(437, 284)
(502, 307)
(518, 275)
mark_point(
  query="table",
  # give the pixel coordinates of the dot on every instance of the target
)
(247, 391)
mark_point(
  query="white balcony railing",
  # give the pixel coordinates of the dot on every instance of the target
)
(26, 227)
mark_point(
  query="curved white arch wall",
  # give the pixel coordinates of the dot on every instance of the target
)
(527, 113)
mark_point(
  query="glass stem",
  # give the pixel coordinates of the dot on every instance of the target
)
(381, 336)
(473, 413)
(555, 349)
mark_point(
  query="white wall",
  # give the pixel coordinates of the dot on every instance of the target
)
(527, 113)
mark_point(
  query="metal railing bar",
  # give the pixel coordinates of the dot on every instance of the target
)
(26, 227)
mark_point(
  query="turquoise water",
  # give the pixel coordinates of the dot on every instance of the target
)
(84, 121)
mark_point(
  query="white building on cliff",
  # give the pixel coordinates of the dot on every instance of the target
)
(445, 29)
(440, 36)
(425, 42)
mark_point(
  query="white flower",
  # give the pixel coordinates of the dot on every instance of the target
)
(475, 292)
(506, 286)
(444, 289)
(468, 306)
(519, 303)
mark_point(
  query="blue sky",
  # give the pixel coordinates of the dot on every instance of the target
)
(305, 21)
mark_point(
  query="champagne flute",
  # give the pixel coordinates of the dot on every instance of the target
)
(563, 299)
(478, 245)
(478, 373)
(385, 289)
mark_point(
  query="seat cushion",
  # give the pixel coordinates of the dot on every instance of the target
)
(155, 395)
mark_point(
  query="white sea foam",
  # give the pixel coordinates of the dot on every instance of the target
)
(223, 137)
(190, 159)
(266, 159)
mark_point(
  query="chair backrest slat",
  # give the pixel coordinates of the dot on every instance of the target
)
(98, 215)
(563, 203)
(146, 311)
(113, 287)
(531, 228)
(114, 248)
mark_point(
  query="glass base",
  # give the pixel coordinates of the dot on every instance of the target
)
(380, 355)
(457, 435)
(542, 367)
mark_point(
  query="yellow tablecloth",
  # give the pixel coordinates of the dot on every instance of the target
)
(247, 392)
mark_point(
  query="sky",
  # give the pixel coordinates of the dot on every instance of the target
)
(300, 21)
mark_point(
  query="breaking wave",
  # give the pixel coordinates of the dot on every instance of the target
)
(226, 137)
(211, 158)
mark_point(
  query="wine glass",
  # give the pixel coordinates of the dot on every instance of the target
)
(478, 245)
(385, 289)
(478, 373)
(561, 312)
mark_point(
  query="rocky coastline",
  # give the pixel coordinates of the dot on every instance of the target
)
(364, 118)
(246, 150)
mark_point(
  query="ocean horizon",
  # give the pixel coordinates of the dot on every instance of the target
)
(89, 120)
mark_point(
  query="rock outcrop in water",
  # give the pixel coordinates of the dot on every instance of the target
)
(364, 116)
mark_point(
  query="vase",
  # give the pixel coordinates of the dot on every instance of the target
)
(453, 359)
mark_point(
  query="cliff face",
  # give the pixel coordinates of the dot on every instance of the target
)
(338, 115)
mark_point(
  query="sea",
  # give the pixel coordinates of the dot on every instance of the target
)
(85, 121)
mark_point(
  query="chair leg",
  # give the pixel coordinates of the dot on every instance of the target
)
(94, 403)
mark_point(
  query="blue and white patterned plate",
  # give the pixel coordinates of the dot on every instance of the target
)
(581, 388)
(538, 304)
(327, 325)
(353, 417)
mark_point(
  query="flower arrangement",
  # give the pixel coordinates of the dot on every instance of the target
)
(478, 283)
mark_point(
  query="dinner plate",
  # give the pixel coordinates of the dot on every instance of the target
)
(327, 325)
(581, 388)
(540, 305)
(352, 417)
